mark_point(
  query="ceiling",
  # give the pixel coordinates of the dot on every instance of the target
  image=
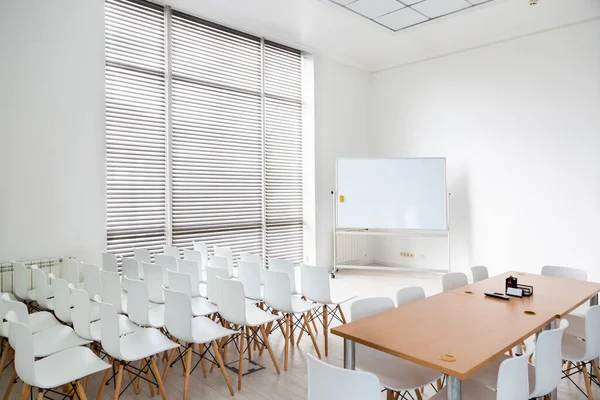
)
(402, 14)
(328, 29)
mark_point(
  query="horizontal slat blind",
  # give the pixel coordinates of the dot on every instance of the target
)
(216, 136)
(283, 152)
(135, 126)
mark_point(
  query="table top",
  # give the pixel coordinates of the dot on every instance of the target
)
(471, 328)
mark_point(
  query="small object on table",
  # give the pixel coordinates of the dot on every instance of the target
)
(498, 295)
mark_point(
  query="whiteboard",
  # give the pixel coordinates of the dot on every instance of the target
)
(392, 193)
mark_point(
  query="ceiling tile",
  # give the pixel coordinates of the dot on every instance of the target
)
(375, 8)
(401, 19)
(437, 8)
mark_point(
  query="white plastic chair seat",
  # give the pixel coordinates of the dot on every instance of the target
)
(125, 327)
(37, 321)
(49, 376)
(573, 348)
(301, 306)
(205, 330)
(143, 343)
(56, 339)
(395, 373)
(202, 307)
(576, 325)
(471, 390)
(256, 317)
(488, 375)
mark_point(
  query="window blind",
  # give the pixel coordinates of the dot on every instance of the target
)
(135, 126)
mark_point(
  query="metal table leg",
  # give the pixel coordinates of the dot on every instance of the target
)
(552, 325)
(453, 388)
(594, 302)
(349, 354)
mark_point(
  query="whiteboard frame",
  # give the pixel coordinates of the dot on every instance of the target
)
(389, 232)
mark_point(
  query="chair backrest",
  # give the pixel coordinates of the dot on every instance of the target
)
(232, 301)
(548, 360)
(91, 279)
(409, 295)
(212, 285)
(81, 313)
(69, 270)
(109, 262)
(454, 280)
(180, 283)
(62, 300)
(21, 280)
(513, 381)
(364, 308)
(227, 253)
(327, 382)
(191, 268)
(42, 289)
(142, 255)
(255, 258)
(137, 302)
(19, 313)
(278, 293)
(171, 251)
(109, 330)
(564, 272)
(111, 289)
(130, 270)
(198, 257)
(249, 275)
(219, 262)
(178, 315)
(286, 266)
(154, 278)
(24, 356)
(203, 249)
(166, 263)
(480, 273)
(592, 330)
(315, 283)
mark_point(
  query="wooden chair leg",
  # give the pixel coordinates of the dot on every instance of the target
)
(40, 395)
(5, 351)
(134, 383)
(103, 381)
(588, 383)
(161, 388)
(149, 380)
(241, 366)
(419, 395)
(596, 370)
(119, 381)
(268, 346)
(188, 370)
(312, 336)
(222, 367)
(439, 384)
(24, 392)
(80, 391)
(202, 364)
(339, 307)
(389, 395)
(11, 383)
(326, 330)
(287, 342)
(168, 364)
(249, 343)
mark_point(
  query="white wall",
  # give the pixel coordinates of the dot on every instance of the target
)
(519, 123)
(341, 130)
(52, 170)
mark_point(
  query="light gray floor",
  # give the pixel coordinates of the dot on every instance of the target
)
(266, 384)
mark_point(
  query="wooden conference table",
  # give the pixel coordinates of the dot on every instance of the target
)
(460, 331)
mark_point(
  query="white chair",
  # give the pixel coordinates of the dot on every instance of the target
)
(454, 280)
(138, 306)
(182, 325)
(407, 376)
(181, 283)
(212, 284)
(109, 262)
(191, 268)
(141, 345)
(249, 275)
(198, 257)
(166, 263)
(584, 352)
(317, 288)
(326, 382)
(257, 259)
(547, 372)
(112, 292)
(22, 282)
(227, 253)
(171, 251)
(286, 266)
(219, 262)
(480, 273)
(278, 296)
(43, 293)
(69, 270)
(142, 256)
(249, 321)
(65, 367)
(130, 270)
(88, 329)
(512, 384)
(564, 272)
(154, 279)
(203, 249)
(409, 294)
(62, 300)
(36, 321)
(92, 281)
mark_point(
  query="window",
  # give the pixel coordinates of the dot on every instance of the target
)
(204, 135)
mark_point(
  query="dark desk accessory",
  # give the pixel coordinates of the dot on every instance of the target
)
(511, 282)
(497, 295)
(527, 290)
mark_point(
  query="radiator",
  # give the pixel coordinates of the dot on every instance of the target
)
(49, 265)
(350, 248)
